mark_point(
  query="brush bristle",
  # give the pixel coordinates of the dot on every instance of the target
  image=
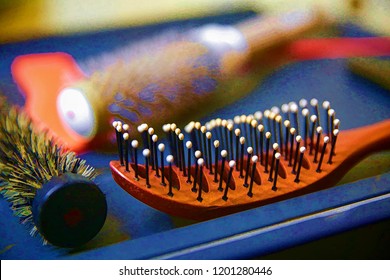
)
(29, 159)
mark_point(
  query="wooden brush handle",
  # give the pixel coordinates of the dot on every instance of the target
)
(269, 33)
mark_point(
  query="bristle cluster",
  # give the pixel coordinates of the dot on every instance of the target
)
(28, 159)
(276, 139)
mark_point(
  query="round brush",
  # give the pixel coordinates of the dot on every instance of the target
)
(174, 74)
(48, 187)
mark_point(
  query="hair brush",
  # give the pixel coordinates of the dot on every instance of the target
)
(173, 74)
(234, 165)
(196, 68)
(48, 187)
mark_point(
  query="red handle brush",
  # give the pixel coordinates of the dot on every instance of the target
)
(230, 166)
(172, 74)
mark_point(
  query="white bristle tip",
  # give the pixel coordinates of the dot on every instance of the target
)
(189, 127)
(198, 154)
(255, 159)
(260, 127)
(336, 132)
(326, 139)
(161, 147)
(173, 126)
(268, 134)
(319, 129)
(313, 118)
(286, 123)
(275, 110)
(303, 103)
(237, 132)
(326, 104)
(275, 146)
(224, 153)
(151, 130)
(166, 127)
(177, 131)
(126, 127)
(294, 107)
(170, 158)
(249, 150)
(134, 144)
(258, 115)
(181, 136)
(242, 140)
(254, 123)
(200, 162)
(302, 149)
(146, 152)
(232, 163)
(277, 155)
(140, 128)
(203, 129)
(298, 138)
(154, 138)
(125, 136)
(285, 108)
(189, 144)
(208, 135)
(313, 102)
(305, 112)
(216, 143)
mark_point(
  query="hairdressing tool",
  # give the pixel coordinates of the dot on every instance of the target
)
(249, 161)
(48, 187)
(173, 74)
(205, 67)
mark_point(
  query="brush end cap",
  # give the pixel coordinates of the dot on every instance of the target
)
(69, 210)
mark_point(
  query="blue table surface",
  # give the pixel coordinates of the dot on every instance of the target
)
(133, 230)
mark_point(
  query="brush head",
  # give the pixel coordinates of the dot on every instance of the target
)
(290, 170)
(49, 188)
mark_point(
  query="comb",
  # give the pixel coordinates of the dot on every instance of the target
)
(234, 165)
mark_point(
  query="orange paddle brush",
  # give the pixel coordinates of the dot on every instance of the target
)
(230, 166)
